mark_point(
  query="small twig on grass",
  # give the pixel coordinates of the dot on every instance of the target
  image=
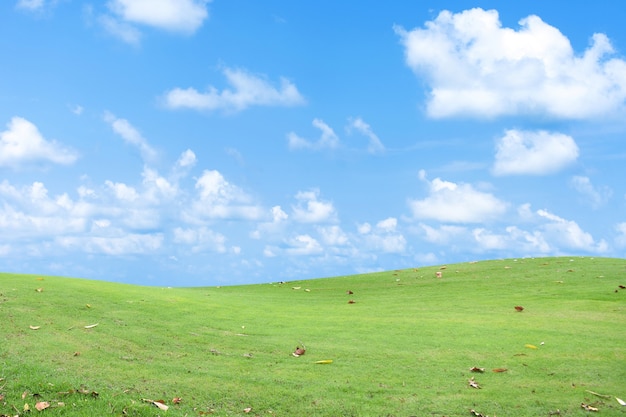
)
(598, 395)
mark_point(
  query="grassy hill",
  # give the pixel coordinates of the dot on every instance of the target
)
(402, 344)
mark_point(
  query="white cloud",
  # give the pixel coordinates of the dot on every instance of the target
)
(121, 30)
(200, 239)
(442, 235)
(333, 235)
(303, 245)
(476, 67)
(247, 90)
(620, 240)
(113, 245)
(30, 5)
(328, 139)
(594, 196)
(567, 234)
(23, 143)
(311, 210)
(184, 16)
(219, 199)
(131, 136)
(456, 203)
(383, 238)
(374, 146)
(521, 152)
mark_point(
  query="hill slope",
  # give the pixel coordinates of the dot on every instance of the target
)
(401, 344)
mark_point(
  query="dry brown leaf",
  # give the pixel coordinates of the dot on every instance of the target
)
(588, 407)
(477, 369)
(177, 400)
(351, 301)
(42, 405)
(519, 308)
(499, 370)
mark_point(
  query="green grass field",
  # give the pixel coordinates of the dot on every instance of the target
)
(404, 347)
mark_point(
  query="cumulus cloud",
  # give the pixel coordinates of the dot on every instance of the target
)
(219, 199)
(310, 209)
(456, 203)
(131, 136)
(23, 143)
(567, 234)
(476, 67)
(595, 196)
(180, 16)
(247, 90)
(383, 237)
(374, 146)
(521, 152)
(303, 245)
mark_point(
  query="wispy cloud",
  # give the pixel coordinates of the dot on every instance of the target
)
(247, 90)
(131, 136)
(328, 138)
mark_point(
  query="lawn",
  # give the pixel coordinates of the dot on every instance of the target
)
(401, 344)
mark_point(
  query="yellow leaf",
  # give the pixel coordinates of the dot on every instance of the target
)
(529, 346)
(324, 362)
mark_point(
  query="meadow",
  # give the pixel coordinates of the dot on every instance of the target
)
(394, 343)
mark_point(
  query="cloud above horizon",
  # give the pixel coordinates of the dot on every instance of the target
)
(475, 67)
(22, 142)
(521, 152)
(247, 90)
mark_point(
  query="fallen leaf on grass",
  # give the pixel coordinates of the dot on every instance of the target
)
(247, 409)
(529, 346)
(351, 301)
(160, 404)
(39, 290)
(91, 326)
(477, 369)
(519, 308)
(299, 351)
(588, 407)
(477, 414)
(34, 327)
(473, 383)
(497, 370)
(324, 362)
(620, 401)
(177, 400)
(24, 394)
(349, 292)
(622, 286)
(42, 405)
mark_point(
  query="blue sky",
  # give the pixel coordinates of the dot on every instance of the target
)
(192, 143)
